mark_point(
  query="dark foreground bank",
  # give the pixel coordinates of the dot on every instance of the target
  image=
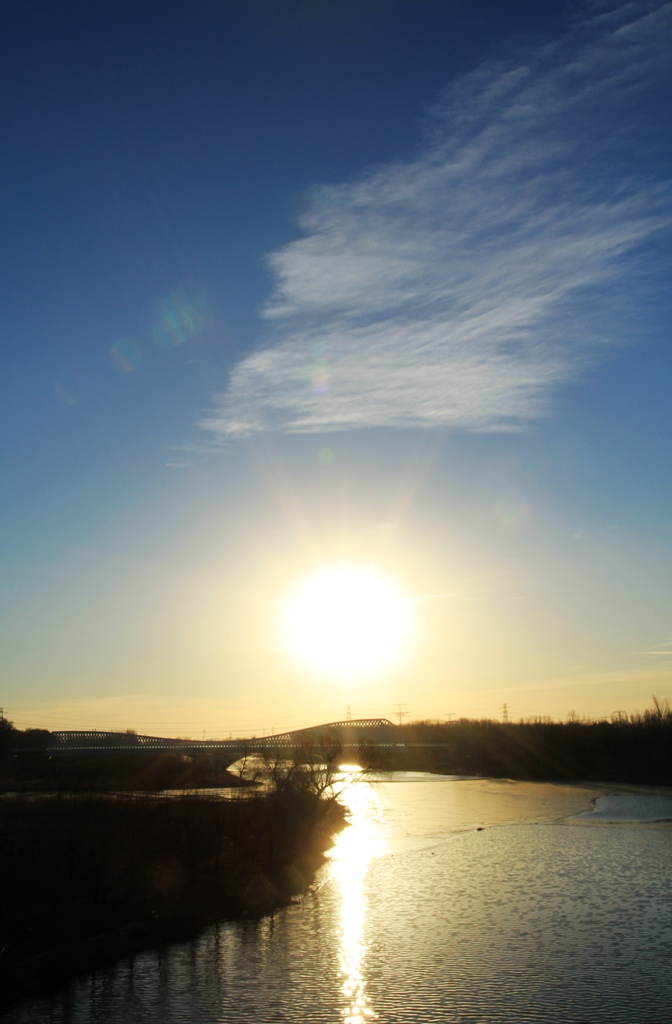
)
(88, 879)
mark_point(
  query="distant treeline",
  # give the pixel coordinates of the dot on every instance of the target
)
(634, 749)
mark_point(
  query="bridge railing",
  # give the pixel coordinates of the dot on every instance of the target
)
(377, 731)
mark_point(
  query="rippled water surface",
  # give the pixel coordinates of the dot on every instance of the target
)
(445, 901)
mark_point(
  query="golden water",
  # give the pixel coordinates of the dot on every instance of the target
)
(465, 901)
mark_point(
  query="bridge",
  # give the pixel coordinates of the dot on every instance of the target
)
(346, 736)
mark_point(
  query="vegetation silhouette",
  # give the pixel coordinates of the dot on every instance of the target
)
(633, 749)
(97, 872)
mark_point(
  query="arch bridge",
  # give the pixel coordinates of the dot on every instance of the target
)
(345, 736)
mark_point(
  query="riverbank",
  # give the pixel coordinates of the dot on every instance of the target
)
(89, 879)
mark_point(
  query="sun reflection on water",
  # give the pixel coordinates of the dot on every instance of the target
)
(353, 850)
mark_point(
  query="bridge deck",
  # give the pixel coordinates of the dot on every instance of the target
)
(351, 733)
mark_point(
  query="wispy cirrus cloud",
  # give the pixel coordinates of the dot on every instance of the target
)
(661, 650)
(459, 288)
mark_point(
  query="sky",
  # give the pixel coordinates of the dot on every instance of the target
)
(374, 283)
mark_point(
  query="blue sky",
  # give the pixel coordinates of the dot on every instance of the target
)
(290, 285)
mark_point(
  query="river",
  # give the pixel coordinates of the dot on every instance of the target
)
(467, 901)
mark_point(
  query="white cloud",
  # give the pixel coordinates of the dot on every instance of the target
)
(461, 287)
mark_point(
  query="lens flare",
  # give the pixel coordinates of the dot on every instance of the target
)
(126, 354)
(180, 318)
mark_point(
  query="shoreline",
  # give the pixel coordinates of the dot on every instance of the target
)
(230, 860)
(106, 930)
(51, 969)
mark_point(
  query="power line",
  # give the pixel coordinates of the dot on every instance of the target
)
(401, 715)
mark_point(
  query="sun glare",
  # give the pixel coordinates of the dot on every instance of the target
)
(354, 849)
(346, 620)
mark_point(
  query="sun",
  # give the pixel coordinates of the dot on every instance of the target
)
(346, 621)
